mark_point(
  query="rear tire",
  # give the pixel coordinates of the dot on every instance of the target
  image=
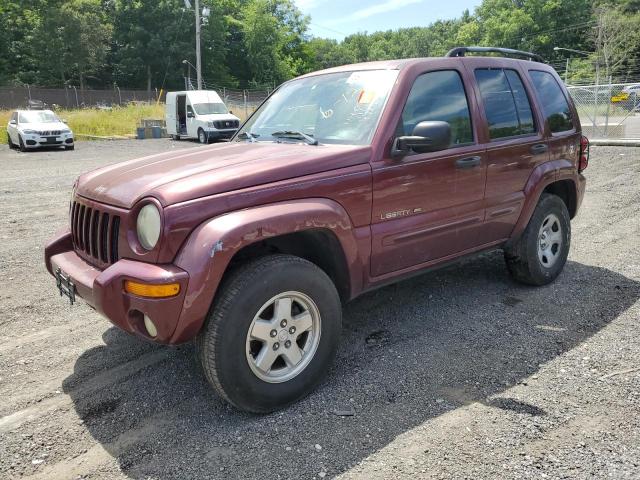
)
(271, 334)
(175, 137)
(539, 255)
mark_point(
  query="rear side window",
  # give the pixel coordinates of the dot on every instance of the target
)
(554, 103)
(506, 104)
(439, 96)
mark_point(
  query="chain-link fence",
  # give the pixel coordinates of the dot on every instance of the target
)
(242, 102)
(609, 111)
(72, 97)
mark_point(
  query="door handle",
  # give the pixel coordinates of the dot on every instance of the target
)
(468, 162)
(539, 148)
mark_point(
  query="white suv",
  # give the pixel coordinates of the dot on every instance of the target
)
(29, 129)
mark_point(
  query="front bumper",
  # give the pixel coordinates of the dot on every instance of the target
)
(220, 134)
(37, 141)
(104, 289)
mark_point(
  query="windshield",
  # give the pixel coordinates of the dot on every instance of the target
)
(209, 108)
(38, 116)
(339, 108)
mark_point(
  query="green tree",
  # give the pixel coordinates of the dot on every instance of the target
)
(273, 36)
(74, 42)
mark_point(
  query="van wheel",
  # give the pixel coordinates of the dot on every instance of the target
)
(175, 137)
(203, 137)
(540, 254)
(272, 333)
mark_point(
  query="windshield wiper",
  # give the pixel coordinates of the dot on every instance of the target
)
(296, 135)
(248, 136)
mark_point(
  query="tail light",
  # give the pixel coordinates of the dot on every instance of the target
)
(583, 162)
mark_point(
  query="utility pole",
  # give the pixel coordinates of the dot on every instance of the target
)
(198, 59)
(598, 49)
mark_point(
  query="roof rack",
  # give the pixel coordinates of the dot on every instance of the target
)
(460, 51)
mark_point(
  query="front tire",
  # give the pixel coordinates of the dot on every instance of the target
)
(9, 142)
(272, 333)
(23, 148)
(203, 137)
(539, 255)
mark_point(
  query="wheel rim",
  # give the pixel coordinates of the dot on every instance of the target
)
(201, 136)
(283, 337)
(549, 241)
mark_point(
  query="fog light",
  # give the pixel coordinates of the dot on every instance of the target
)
(151, 328)
(152, 291)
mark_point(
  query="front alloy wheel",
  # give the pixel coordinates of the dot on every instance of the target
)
(283, 337)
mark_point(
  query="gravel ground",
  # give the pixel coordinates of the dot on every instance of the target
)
(459, 373)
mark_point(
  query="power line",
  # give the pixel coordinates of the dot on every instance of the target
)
(329, 29)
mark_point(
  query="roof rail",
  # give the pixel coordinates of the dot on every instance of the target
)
(460, 51)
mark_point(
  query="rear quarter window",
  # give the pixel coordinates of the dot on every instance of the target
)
(553, 102)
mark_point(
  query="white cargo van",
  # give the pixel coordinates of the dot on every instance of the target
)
(199, 114)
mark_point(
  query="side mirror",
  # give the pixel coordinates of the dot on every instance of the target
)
(64, 120)
(190, 114)
(12, 122)
(429, 136)
(231, 112)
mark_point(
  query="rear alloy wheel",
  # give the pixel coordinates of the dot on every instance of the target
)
(272, 333)
(202, 136)
(539, 255)
(549, 241)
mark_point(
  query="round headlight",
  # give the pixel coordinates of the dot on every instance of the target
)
(148, 226)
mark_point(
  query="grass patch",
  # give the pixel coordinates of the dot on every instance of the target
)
(120, 121)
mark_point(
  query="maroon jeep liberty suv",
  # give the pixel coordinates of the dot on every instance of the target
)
(342, 181)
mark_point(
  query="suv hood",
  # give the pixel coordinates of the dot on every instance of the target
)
(175, 177)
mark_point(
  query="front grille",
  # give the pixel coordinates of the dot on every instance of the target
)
(222, 124)
(95, 233)
(44, 133)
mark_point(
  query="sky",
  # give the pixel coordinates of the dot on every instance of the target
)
(338, 18)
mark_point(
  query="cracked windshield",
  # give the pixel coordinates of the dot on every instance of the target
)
(335, 108)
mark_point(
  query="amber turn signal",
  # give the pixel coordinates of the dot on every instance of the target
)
(152, 291)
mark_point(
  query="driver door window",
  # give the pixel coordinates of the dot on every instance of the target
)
(439, 96)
